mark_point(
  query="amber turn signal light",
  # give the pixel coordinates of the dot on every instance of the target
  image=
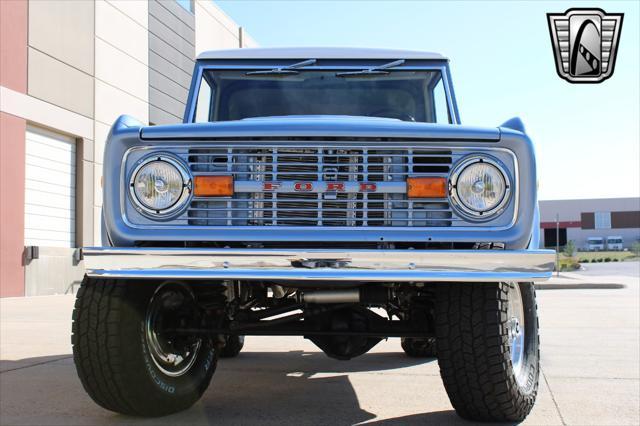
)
(213, 186)
(426, 187)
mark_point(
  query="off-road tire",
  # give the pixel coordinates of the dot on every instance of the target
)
(232, 347)
(112, 361)
(419, 348)
(474, 353)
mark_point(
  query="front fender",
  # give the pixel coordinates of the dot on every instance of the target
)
(534, 243)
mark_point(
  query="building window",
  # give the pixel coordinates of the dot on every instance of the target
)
(629, 219)
(603, 220)
(550, 237)
(186, 4)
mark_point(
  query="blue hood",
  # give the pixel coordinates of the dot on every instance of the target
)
(315, 126)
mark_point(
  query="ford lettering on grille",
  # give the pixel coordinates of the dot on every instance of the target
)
(320, 186)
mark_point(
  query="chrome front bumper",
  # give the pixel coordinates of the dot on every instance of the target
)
(320, 265)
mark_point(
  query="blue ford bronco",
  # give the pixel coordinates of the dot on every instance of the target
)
(327, 193)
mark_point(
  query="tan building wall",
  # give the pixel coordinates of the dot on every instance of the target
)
(171, 60)
(121, 79)
(63, 30)
(216, 30)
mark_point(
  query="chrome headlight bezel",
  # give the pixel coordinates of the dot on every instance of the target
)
(457, 203)
(181, 202)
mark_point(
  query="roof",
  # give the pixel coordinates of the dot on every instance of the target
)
(318, 53)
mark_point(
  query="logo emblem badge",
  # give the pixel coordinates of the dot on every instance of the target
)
(585, 43)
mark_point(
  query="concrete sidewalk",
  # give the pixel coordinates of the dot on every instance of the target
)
(590, 371)
(579, 281)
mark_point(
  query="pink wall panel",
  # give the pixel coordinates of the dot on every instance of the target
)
(13, 75)
(12, 157)
(13, 44)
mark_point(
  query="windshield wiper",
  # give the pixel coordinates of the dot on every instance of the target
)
(380, 70)
(289, 69)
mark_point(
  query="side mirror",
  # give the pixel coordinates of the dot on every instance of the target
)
(515, 124)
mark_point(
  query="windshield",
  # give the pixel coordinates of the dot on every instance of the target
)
(404, 95)
(614, 240)
(596, 240)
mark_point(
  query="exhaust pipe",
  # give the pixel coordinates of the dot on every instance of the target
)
(375, 295)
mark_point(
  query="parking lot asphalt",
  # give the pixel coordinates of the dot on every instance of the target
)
(590, 370)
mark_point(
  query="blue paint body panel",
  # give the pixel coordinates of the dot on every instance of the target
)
(127, 133)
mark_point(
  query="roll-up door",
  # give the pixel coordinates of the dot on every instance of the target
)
(50, 189)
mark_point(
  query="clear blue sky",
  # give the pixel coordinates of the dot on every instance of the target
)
(587, 136)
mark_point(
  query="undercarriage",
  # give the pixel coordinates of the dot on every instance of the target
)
(343, 322)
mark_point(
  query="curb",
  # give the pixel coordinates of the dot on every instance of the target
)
(581, 286)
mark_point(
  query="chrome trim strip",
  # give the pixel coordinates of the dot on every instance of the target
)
(352, 265)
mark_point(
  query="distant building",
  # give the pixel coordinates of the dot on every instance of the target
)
(68, 69)
(582, 219)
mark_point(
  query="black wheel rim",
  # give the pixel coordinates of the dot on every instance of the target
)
(172, 305)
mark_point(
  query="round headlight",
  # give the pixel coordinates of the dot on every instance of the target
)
(480, 187)
(159, 185)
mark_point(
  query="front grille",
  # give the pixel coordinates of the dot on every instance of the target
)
(322, 164)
